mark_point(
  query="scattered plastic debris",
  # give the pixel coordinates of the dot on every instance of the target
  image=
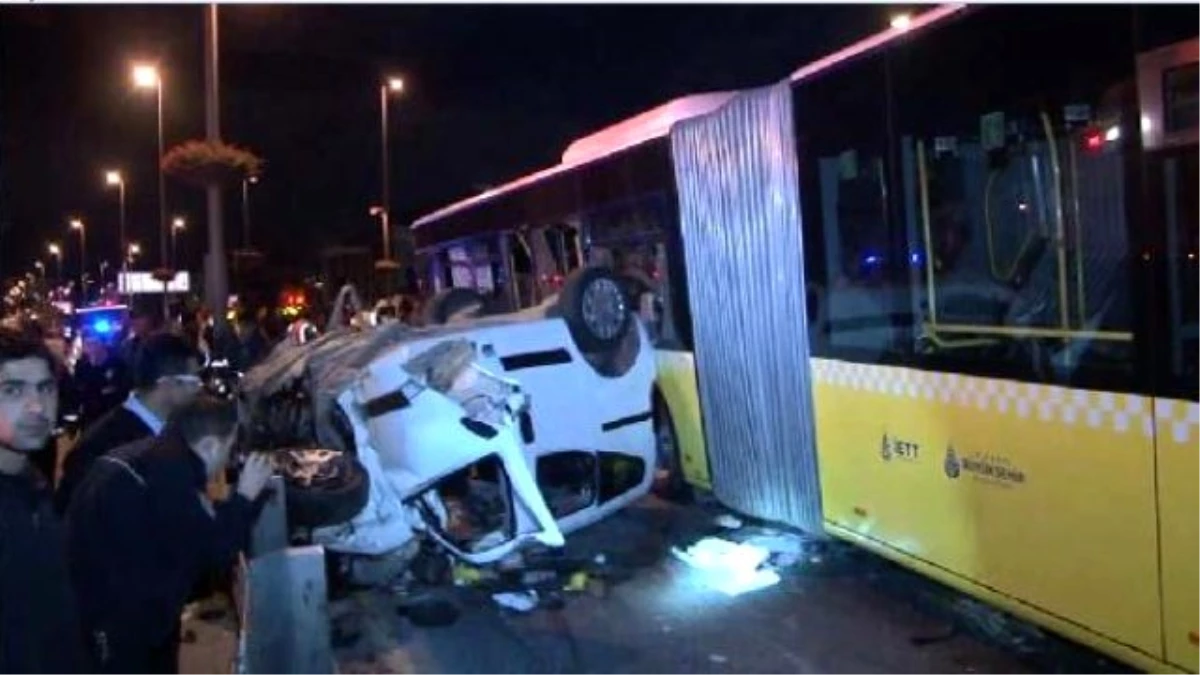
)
(577, 582)
(728, 567)
(728, 521)
(786, 549)
(517, 601)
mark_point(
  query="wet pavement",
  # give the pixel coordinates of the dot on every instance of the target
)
(836, 610)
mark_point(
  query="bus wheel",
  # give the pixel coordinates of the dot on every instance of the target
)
(596, 309)
(452, 302)
(668, 470)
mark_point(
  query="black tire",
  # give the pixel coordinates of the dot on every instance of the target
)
(668, 482)
(450, 302)
(331, 502)
(584, 288)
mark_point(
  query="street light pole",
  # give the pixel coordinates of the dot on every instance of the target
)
(77, 224)
(246, 183)
(176, 225)
(215, 272)
(56, 253)
(393, 85)
(118, 179)
(384, 198)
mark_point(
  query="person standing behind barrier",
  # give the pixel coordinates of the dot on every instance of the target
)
(141, 531)
(165, 378)
(39, 629)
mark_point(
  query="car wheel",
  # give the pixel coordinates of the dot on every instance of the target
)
(668, 470)
(323, 487)
(453, 301)
(596, 309)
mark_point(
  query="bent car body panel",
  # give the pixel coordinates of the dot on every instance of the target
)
(406, 449)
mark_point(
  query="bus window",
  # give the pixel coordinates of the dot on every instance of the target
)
(631, 238)
(1014, 163)
(856, 265)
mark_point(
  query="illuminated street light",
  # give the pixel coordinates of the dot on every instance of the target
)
(246, 183)
(145, 76)
(391, 85)
(178, 224)
(77, 224)
(902, 22)
(115, 179)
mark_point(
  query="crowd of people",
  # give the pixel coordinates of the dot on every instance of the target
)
(103, 543)
(96, 567)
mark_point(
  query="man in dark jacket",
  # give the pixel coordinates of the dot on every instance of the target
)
(141, 531)
(39, 630)
(101, 381)
(165, 377)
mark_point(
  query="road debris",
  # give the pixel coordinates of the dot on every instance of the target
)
(516, 601)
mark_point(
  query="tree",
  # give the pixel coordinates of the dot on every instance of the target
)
(204, 163)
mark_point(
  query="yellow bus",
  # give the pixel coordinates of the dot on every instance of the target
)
(934, 294)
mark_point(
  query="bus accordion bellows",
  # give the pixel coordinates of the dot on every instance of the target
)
(934, 294)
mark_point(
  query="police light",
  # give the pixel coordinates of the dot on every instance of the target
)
(102, 326)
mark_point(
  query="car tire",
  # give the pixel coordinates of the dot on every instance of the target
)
(596, 308)
(452, 301)
(668, 482)
(328, 503)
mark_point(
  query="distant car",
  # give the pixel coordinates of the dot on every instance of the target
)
(480, 433)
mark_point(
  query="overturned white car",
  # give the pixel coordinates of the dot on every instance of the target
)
(482, 434)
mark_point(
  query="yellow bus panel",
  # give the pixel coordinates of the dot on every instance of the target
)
(1036, 492)
(677, 382)
(1178, 424)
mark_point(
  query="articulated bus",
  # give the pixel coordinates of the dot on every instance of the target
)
(934, 294)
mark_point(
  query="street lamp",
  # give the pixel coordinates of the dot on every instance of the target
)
(246, 183)
(135, 249)
(40, 267)
(55, 252)
(382, 214)
(115, 179)
(901, 22)
(148, 76)
(77, 224)
(391, 86)
(178, 224)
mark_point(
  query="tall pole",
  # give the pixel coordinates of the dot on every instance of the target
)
(162, 207)
(387, 244)
(83, 262)
(384, 193)
(216, 276)
(246, 213)
(121, 216)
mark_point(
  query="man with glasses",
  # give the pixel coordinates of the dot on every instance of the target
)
(165, 378)
(39, 625)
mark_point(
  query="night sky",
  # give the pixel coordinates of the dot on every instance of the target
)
(493, 92)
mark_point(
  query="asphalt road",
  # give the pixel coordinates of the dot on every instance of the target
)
(839, 610)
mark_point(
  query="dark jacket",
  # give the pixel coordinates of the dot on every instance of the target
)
(39, 627)
(116, 428)
(100, 387)
(140, 534)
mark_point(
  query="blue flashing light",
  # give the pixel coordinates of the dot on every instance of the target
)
(102, 326)
(915, 258)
